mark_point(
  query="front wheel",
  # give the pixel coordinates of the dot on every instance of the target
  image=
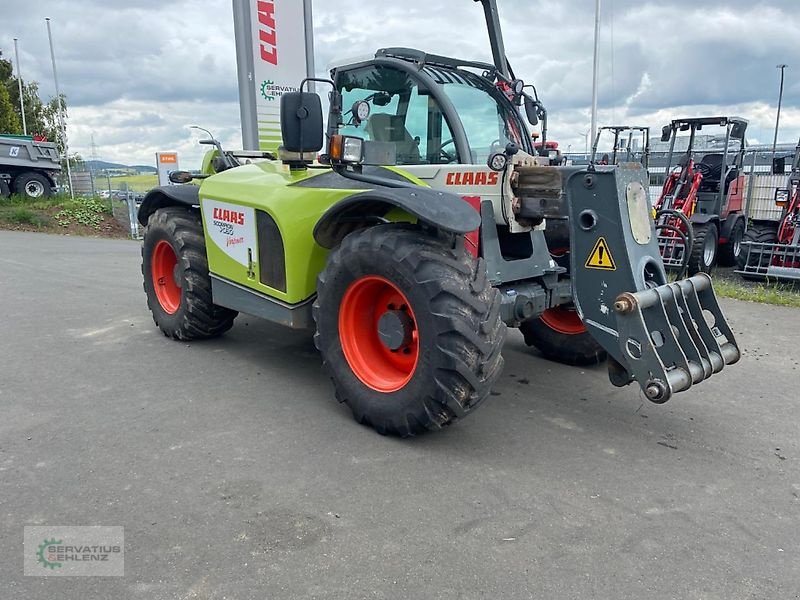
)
(409, 329)
(561, 336)
(760, 233)
(176, 279)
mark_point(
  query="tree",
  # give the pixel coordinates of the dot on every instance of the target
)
(9, 122)
(9, 116)
(41, 118)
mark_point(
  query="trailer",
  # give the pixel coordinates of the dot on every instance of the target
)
(28, 167)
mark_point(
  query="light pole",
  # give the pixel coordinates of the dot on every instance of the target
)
(595, 66)
(782, 67)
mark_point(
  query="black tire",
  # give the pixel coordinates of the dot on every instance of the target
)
(196, 316)
(731, 250)
(704, 253)
(5, 191)
(763, 233)
(455, 313)
(579, 349)
(32, 186)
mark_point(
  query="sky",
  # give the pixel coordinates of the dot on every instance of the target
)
(137, 74)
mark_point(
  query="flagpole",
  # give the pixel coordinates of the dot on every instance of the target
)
(61, 120)
(19, 82)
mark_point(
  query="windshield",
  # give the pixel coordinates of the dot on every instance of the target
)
(488, 124)
(405, 113)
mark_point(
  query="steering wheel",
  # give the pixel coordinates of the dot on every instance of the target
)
(709, 171)
(703, 168)
(447, 156)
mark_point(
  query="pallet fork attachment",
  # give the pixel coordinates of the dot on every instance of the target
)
(665, 336)
(673, 336)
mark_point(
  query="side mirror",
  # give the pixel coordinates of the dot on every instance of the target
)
(666, 133)
(737, 131)
(180, 176)
(531, 112)
(301, 122)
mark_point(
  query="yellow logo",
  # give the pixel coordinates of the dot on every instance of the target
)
(600, 257)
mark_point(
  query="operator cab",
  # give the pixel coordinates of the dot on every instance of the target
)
(432, 110)
(718, 168)
(711, 166)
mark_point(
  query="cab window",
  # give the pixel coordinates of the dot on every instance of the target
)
(400, 113)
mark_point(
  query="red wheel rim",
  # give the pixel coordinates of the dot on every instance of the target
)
(563, 320)
(376, 366)
(163, 265)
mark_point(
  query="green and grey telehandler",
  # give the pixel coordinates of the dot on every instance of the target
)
(426, 227)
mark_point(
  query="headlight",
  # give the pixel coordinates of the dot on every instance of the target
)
(346, 149)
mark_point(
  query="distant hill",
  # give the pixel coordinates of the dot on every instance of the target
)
(101, 165)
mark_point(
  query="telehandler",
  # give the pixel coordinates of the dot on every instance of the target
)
(418, 236)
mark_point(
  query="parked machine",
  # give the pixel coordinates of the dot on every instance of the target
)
(631, 144)
(28, 167)
(551, 151)
(771, 247)
(419, 236)
(699, 213)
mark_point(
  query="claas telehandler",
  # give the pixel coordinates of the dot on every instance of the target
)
(410, 234)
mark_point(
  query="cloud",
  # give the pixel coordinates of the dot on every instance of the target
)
(136, 74)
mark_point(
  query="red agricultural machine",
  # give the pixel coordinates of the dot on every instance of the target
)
(551, 151)
(771, 249)
(699, 214)
(631, 144)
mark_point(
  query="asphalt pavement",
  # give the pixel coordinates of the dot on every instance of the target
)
(237, 475)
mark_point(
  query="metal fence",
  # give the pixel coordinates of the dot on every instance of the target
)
(124, 211)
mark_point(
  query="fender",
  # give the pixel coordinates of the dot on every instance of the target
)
(443, 210)
(168, 195)
(727, 226)
(701, 219)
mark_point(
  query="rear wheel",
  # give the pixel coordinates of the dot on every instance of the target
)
(32, 185)
(5, 191)
(409, 329)
(703, 257)
(176, 279)
(730, 252)
(760, 233)
(560, 335)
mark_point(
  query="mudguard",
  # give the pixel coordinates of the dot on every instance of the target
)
(728, 225)
(440, 209)
(168, 195)
(701, 218)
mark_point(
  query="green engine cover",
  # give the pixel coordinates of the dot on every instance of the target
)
(230, 202)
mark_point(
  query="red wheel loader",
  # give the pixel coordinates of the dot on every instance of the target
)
(772, 249)
(699, 212)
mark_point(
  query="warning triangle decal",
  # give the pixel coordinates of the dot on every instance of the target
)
(600, 257)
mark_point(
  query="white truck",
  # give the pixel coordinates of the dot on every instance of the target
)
(27, 167)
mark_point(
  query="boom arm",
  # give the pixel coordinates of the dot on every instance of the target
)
(495, 35)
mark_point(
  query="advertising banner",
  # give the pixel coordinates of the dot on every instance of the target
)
(274, 53)
(166, 162)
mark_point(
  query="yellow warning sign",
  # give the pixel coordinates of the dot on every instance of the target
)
(600, 257)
